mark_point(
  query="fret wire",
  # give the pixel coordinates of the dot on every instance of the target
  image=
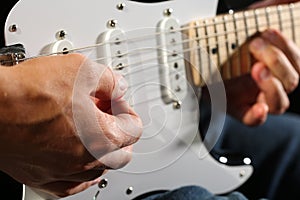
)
(199, 51)
(217, 44)
(228, 61)
(291, 6)
(242, 38)
(267, 13)
(260, 14)
(279, 10)
(238, 30)
(245, 16)
(187, 50)
(296, 7)
(225, 44)
(208, 52)
(237, 44)
(256, 19)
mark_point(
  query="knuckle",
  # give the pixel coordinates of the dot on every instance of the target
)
(77, 56)
(114, 137)
(275, 60)
(124, 136)
(292, 83)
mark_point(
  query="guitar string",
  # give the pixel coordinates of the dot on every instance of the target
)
(214, 23)
(186, 41)
(224, 43)
(215, 35)
(173, 72)
(95, 197)
(137, 64)
(135, 51)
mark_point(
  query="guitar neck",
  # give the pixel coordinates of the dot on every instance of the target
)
(222, 41)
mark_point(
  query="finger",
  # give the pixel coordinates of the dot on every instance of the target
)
(289, 48)
(86, 175)
(123, 127)
(266, 3)
(256, 114)
(261, 4)
(274, 94)
(111, 85)
(117, 159)
(65, 188)
(102, 133)
(276, 61)
(98, 81)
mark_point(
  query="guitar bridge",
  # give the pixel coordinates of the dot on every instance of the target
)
(12, 55)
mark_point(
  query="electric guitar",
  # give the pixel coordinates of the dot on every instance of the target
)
(167, 51)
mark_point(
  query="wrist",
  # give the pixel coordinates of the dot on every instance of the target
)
(10, 89)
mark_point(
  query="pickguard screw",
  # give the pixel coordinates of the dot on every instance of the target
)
(103, 183)
(242, 173)
(119, 66)
(60, 35)
(129, 190)
(168, 12)
(13, 28)
(177, 105)
(112, 23)
(121, 6)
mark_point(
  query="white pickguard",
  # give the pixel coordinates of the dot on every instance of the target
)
(168, 154)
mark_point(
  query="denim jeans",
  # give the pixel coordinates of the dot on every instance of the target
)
(194, 193)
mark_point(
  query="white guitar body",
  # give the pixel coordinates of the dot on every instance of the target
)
(170, 153)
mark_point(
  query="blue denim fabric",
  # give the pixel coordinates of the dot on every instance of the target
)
(194, 193)
(274, 149)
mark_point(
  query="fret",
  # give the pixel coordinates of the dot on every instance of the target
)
(236, 66)
(193, 60)
(212, 34)
(251, 22)
(226, 71)
(291, 9)
(256, 13)
(222, 47)
(297, 23)
(248, 55)
(273, 16)
(285, 21)
(216, 49)
(223, 39)
(279, 13)
(267, 15)
(206, 55)
(198, 49)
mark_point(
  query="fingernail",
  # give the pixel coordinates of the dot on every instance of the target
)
(257, 44)
(264, 74)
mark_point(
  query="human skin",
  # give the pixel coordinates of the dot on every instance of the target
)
(41, 145)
